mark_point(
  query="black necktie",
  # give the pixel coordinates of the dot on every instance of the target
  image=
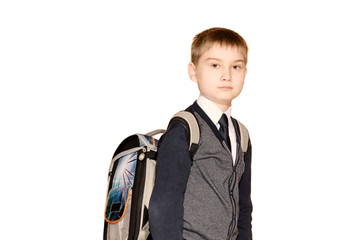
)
(224, 129)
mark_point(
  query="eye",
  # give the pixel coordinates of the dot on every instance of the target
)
(237, 67)
(215, 65)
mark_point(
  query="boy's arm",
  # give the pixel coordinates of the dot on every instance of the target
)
(172, 172)
(245, 204)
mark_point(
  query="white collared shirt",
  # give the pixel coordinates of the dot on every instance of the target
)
(214, 113)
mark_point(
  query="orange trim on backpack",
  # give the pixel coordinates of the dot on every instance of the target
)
(154, 142)
(124, 212)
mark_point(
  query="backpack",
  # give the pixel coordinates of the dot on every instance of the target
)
(131, 179)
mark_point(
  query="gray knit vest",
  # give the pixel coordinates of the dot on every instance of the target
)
(211, 204)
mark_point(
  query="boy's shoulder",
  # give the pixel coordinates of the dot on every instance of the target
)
(176, 131)
(183, 128)
(177, 123)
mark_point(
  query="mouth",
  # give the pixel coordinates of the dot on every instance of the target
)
(226, 88)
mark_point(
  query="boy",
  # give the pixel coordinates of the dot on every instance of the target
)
(207, 197)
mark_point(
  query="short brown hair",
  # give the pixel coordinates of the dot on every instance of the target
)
(223, 36)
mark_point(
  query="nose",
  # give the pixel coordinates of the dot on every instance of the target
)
(226, 76)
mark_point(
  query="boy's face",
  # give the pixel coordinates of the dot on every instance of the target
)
(219, 74)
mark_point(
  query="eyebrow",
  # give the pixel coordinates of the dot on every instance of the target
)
(218, 59)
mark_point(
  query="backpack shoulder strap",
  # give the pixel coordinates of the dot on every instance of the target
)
(192, 127)
(244, 136)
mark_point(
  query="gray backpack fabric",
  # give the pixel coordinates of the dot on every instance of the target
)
(131, 179)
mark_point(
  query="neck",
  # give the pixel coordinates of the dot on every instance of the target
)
(223, 106)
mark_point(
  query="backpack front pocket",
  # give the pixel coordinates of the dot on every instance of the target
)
(122, 178)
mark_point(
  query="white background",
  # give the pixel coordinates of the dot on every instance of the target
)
(79, 76)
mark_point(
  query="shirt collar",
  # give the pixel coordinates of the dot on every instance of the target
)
(212, 111)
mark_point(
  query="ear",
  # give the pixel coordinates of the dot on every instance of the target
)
(192, 72)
